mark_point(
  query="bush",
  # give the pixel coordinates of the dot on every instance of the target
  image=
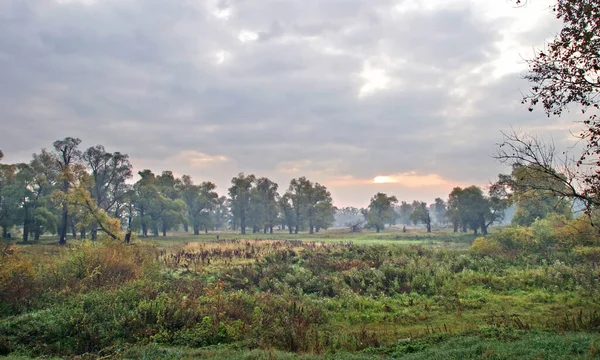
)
(92, 265)
(485, 246)
(18, 281)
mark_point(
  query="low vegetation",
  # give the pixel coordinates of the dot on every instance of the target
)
(349, 297)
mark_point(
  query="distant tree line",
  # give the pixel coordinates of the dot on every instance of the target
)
(470, 208)
(73, 192)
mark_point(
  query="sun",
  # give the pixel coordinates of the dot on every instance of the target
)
(382, 180)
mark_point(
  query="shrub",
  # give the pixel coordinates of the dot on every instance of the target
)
(18, 282)
(92, 265)
(485, 246)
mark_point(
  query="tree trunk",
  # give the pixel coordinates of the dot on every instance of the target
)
(185, 227)
(164, 230)
(428, 227)
(455, 227)
(94, 232)
(317, 228)
(243, 225)
(291, 230)
(25, 224)
(64, 225)
(74, 232)
(82, 233)
(296, 230)
(155, 230)
(377, 228)
(311, 229)
(271, 230)
(464, 228)
(4, 232)
(36, 235)
(265, 229)
(206, 230)
(484, 227)
(144, 230)
(196, 230)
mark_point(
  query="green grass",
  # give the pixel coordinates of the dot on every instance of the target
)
(490, 343)
(441, 238)
(349, 302)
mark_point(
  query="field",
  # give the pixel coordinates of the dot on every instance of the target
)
(333, 294)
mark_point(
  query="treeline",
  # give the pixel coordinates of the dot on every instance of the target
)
(530, 192)
(69, 190)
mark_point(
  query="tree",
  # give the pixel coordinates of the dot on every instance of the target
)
(287, 212)
(297, 193)
(220, 213)
(404, 211)
(472, 209)
(200, 200)
(44, 216)
(566, 72)
(79, 201)
(526, 188)
(240, 195)
(9, 197)
(381, 210)
(438, 208)
(144, 198)
(110, 171)
(319, 207)
(453, 212)
(171, 209)
(547, 172)
(421, 214)
(267, 208)
(350, 217)
(68, 155)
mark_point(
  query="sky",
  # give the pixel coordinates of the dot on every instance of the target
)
(363, 96)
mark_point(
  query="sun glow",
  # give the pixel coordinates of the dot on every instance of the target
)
(382, 180)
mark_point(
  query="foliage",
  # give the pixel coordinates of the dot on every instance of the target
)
(381, 210)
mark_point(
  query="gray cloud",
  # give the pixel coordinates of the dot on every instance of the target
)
(160, 78)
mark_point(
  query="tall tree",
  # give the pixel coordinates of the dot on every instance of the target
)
(200, 200)
(109, 172)
(267, 199)
(145, 200)
(566, 74)
(171, 209)
(68, 155)
(240, 195)
(44, 216)
(381, 210)
(287, 211)
(297, 193)
(9, 197)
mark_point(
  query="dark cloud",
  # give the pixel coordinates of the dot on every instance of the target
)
(157, 79)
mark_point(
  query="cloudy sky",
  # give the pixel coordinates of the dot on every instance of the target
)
(401, 96)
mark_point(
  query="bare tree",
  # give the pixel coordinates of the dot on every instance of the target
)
(547, 170)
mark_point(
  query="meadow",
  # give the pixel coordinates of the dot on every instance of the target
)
(334, 295)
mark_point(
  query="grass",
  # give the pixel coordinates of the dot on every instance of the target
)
(438, 238)
(332, 295)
